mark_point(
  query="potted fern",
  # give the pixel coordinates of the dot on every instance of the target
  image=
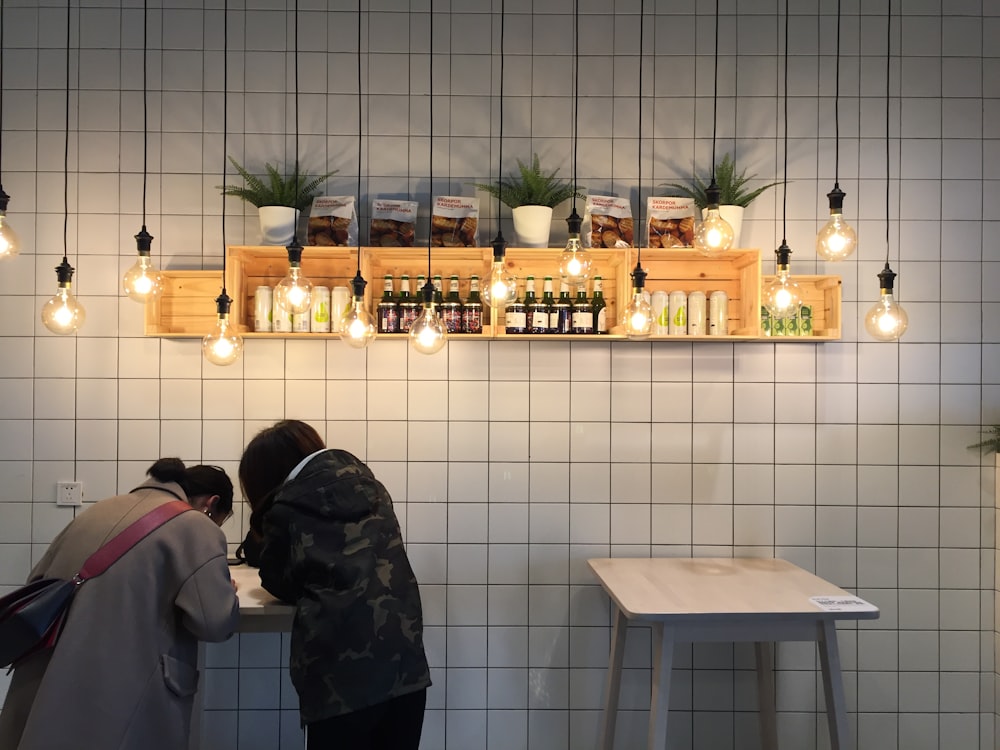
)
(279, 200)
(531, 195)
(734, 193)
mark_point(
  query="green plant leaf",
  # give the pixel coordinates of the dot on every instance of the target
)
(530, 187)
(272, 189)
(732, 190)
(992, 443)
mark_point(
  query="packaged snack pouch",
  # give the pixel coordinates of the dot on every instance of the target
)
(607, 222)
(333, 221)
(455, 221)
(392, 223)
(670, 222)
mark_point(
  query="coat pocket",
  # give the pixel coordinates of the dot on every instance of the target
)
(179, 677)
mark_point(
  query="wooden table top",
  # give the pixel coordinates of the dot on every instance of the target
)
(717, 589)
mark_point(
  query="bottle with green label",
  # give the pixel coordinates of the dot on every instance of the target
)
(583, 311)
(599, 307)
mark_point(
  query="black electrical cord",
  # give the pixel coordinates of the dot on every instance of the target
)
(642, 26)
(836, 111)
(359, 127)
(69, 5)
(576, 92)
(295, 66)
(888, 72)
(500, 146)
(784, 146)
(225, 132)
(715, 90)
(145, 109)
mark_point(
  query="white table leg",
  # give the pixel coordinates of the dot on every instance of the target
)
(659, 704)
(833, 685)
(614, 683)
(766, 717)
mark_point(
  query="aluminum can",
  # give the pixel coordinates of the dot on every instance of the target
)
(300, 322)
(340, 298)
(677, 302)
(697, 314)
(281, 319)
(661, 313)
(320, 311)
(262, 302)
(718, 314)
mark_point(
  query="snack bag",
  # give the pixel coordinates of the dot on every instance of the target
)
(455, 222)
(392, 223)
(607, 222)
(670, 222)
(333, 221)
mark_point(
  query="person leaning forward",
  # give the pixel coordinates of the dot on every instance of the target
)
(123, 674)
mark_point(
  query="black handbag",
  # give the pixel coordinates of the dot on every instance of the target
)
(32, 617)
(249, 550)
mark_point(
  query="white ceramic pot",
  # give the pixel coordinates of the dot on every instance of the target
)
(277, 224)
(734, 217)
(532, 224)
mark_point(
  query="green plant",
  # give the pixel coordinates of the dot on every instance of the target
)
(992, 443)
(273, 189)
(531, 188)
(732, 186)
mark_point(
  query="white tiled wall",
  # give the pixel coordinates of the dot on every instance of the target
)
(511, 463)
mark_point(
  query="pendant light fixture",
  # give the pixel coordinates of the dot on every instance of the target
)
(887, 320)
(224, 345)
(782, 296)
(637, 316)
(714, 234)
(837, 239)
(357, 327)
(10, 245)
(501, 286)
(294, 292)
(575, 262)
(428, 333)
(63, 314)
(142, 281)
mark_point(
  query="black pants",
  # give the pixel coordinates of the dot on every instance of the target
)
(393, 725)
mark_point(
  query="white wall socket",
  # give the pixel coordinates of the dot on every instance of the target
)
(69, 493)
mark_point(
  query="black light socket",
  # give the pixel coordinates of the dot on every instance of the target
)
(638, 277)
(499, 246)
(783, 252)
(222, 303)
(427, 291)
(886, 278)
(836, 197)
(4, 199)
(358, 283)
(713, 194)
(64, 273)
(144, 241)
(574, 222)
(294, 251)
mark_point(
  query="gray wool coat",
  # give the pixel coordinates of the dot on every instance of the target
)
(123, 674)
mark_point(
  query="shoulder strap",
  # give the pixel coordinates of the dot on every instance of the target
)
(122, 542)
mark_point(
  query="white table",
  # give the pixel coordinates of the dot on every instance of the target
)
(695, 600)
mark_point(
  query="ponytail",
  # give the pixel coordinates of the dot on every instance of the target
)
(168, 470)
(196, 480)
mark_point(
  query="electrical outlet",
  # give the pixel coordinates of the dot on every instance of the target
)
(69, 493)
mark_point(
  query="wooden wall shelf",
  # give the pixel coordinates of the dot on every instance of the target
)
(187, 308)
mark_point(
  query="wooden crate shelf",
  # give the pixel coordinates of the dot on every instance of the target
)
(187, 309)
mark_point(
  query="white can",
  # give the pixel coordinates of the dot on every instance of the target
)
(300, 322)
(718, 314)
(319, 312)
(678, 313)
(697, 314)
(661, 313)
(262, 300)
(281, 319)
(339, 301)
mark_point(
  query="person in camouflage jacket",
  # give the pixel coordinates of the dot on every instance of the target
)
(331, 545)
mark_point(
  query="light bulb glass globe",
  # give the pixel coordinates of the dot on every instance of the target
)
(10, 245)
(637, 317)
(500, 288)
(63, 314)
(428, 334)
(886, 320)
(142, 281)
(575, 262)
(294, 292)
(837, 239)
(782, 297)
(224, 345)
(357, 327)
(714, 235)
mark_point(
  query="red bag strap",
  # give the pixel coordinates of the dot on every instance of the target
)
(122, 542)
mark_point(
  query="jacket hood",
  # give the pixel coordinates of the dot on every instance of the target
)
(335, 485)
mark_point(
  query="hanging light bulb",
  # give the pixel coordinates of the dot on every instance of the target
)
(224, 345)
(886, 320)
(428, 333)
(10, 245)
(63, 314)
(357, 327)
(837, 239)
(575, 262)
(501, 286)
(714, 234)
(782, 296)
(294, 292)
(637, 317)
(142, 281)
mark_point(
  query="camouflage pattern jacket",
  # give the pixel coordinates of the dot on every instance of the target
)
(333, 548)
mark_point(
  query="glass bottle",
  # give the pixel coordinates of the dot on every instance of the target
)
(472, 310)
(583, 311)
(438, 291)
(387, 312)
(599, 306)
(409, 307)
(535, 308)
(561, 311)
(451, 307)
(515, 317)
(548, 300)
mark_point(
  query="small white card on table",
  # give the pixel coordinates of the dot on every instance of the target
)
(842, 604)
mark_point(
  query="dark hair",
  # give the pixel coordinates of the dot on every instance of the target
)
(270, 456)
(198, 480)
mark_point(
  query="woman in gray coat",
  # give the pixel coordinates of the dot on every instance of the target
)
(123, 674)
